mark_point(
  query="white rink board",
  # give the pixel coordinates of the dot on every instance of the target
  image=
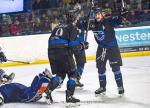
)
(34, 47)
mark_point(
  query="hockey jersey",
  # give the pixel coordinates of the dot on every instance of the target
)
(16, 92)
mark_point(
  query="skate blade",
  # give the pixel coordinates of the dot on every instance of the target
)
(72, 104)
(101, 94)
(48, 101)
(79, 88)
(121, 95)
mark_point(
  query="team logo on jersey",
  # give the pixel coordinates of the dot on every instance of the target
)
(99, 35)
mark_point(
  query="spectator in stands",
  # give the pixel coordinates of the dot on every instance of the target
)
(77, 5)
(54, 23)
(40, 4)
(133, 18)
(45, 23)
(107, 8)
(37, 26)
(53, 3)
(145, 4)
(45, 4)
(6, 18)
(145, 15)
(116, 6)
(36, 4)
(67, 1)
(26, 27)
(15, 28)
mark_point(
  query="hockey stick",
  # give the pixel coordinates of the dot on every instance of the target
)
(18, 61)
(123, 4)
(88, 22)
(123, 7)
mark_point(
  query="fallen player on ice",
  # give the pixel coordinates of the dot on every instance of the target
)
(16, 92)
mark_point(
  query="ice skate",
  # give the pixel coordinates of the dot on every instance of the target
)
(121, 91)
(48, 96)
(79, 84)
(70, 98)
(100, 91)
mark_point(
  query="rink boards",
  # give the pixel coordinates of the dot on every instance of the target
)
(133, 42)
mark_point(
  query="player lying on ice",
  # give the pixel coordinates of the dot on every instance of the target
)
(16, 92)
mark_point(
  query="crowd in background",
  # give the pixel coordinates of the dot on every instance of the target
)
(46, 14)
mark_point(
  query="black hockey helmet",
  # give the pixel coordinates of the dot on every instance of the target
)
(72, 15)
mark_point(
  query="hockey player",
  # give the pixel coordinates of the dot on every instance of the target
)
(2, 56)
(103, 29)
(6, 78)
(16, 92)
(78, 35)
(61, 43)
(78, 46)
(61, 59)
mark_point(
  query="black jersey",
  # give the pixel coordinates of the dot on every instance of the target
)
(104, 32)
(66, 35)
(59, 37)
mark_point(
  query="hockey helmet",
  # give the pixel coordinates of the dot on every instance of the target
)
(72, 15)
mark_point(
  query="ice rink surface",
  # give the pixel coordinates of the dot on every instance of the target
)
(136, 76)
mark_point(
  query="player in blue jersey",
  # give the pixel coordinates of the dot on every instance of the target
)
(16, 92)
(79, 54)
(108, 50)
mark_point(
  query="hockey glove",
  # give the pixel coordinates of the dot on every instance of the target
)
(4, 78)
(2, 57)
(85, 45)
(124, 13)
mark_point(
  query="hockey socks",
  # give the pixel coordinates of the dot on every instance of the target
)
(119, 82)
(70, 92)
(102, 81)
